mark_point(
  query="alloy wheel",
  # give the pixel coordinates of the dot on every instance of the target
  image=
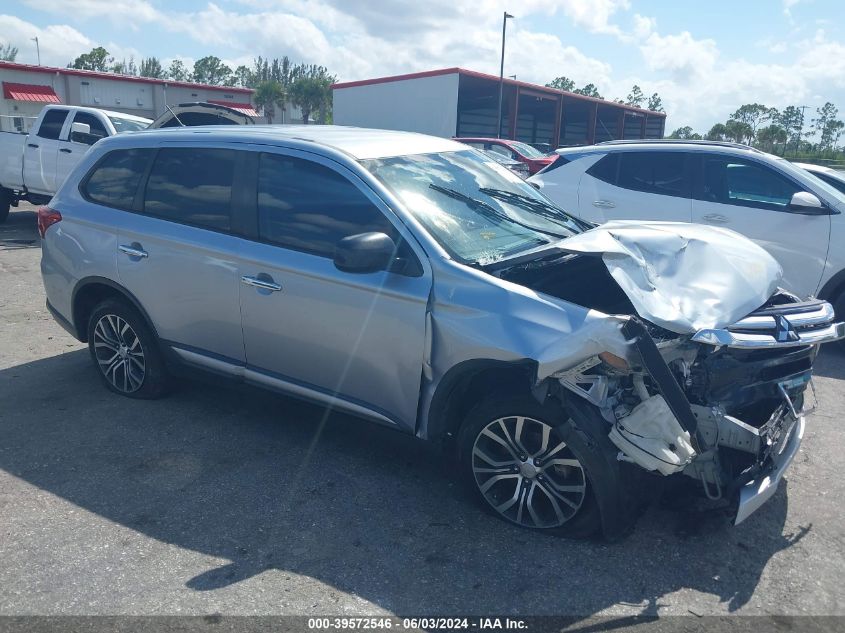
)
(526, 473)
(119, 353)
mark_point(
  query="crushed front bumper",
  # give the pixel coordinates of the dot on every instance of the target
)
(759, 490)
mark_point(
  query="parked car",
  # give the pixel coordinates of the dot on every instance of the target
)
(834, 177)
(200, 113)
(403, 279)
(514, 150)
(32, 166)
(793, 215)
(520, 169)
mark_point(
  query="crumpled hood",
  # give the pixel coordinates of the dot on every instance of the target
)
(683, 277)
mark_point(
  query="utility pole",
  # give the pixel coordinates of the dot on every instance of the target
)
(37, 49)
(800, 129)
(502, 75)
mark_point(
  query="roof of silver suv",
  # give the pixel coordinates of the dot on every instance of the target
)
(360, 143)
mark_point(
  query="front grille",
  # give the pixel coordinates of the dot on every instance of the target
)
(776, 326)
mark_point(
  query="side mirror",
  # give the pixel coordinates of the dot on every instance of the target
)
(364, 253)
(81, 133)
(806, 203)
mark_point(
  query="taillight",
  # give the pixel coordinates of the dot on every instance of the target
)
(47, 217)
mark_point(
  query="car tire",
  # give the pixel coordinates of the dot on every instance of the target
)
(126, 352)
(541, 486)
(5, 203)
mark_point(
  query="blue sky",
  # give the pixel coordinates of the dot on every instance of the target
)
(704, 58)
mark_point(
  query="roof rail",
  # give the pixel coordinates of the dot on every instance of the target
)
(671, 141)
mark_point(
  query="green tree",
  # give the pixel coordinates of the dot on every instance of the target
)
(312, 92)
(178, 71)
(827, 126)
(635, 97)
(685, 133)
(242, 77)
(562, 83)
(97, 59)
(589, 90)
(8, 53)
(151, 67)
(125, 68)
(211, 70)
(717, 133)
(268, 95)
(739, 131)
(655, 103)
(791, 120)
(752, 114)
(770, 137)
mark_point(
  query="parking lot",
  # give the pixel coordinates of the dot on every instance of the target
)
(235, 501)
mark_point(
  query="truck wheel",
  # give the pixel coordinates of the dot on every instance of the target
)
(5, 203)
(513, 457)
(126, 352)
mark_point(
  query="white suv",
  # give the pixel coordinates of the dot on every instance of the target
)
(789, 212)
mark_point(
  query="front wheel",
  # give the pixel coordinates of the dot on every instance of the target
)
(521, 469)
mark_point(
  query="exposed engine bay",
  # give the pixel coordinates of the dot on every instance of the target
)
(723, 406)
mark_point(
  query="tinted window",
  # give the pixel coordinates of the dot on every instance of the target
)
(653, 172)
(308, 207)
(192, 186)
(51, 124)
(839, 185)
(115, 179)
(503, 151)
(605, 169)
(745, 183)
(98, 130)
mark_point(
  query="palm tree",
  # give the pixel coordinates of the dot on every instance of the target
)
(268, 95)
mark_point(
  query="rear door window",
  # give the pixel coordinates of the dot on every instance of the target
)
(735, 181)
(192, 186)
(52, 123)
(115, 178)
(662, 173)
(605, 169)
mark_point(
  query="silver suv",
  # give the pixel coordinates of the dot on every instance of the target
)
(416, 283)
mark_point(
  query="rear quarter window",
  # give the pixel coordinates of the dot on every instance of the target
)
(114, 180)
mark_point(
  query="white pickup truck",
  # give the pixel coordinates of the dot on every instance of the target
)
(33, 166)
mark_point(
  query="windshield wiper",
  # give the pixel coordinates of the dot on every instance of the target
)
(543, 209)
(489, 210)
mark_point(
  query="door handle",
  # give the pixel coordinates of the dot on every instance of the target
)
(32, 145)
(716, 218)
(604, 204)
(66, 150)
(133, 251)
(264, 284)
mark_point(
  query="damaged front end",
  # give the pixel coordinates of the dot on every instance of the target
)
(709, 387)
(719, 407)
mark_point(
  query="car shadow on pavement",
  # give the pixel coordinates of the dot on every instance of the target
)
(256, 479)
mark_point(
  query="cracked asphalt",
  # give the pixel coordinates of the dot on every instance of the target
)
(236, 501)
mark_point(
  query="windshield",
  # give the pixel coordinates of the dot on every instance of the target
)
(479, 211)
(527, 150)
(834, 196)
(128, 125)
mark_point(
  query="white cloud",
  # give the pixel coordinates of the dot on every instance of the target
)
(682, 56)
(59, 43)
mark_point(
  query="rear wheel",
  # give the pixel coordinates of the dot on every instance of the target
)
(5, 203)
(125, 351)
(521, 469)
